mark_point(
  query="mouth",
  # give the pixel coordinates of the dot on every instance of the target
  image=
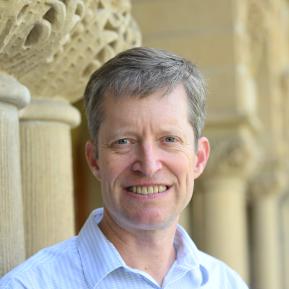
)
(148, 190)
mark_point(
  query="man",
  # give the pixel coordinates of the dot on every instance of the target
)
(145, 110)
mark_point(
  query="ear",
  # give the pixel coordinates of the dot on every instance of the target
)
(92, 161)
(202, 156)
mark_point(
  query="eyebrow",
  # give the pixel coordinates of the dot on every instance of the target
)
(127, 131)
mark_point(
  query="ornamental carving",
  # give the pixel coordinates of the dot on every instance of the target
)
(232, 154)
(52, 46)
(271, 179)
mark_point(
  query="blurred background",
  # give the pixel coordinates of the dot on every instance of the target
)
(240, 208)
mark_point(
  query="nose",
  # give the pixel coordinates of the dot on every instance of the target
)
(148, 161)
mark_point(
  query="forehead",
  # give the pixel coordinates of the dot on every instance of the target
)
(157, 108)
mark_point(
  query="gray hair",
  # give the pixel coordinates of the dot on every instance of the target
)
(139, 72)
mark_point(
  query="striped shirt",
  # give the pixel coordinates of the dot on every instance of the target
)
(90, 260)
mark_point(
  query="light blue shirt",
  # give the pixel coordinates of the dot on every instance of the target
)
(89, 261)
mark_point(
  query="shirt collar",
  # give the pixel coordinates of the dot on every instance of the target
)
(187, 252)
(99, 257)
(188, 256)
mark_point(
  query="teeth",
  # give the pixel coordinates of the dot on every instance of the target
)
(150, 190)
(145, 190)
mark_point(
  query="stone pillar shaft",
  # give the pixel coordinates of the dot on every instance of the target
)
(47, 172)
(266, 251)
(12, 249)
(225, 221)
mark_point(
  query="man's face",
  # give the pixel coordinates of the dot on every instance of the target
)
(147, 160)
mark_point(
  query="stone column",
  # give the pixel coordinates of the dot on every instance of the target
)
(266, 229)
(47, 179)
(12, 250)
(225, 221)
(224, 187)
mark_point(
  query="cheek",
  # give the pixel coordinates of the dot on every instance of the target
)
(112, 167)
(183, 163)
(184, 171)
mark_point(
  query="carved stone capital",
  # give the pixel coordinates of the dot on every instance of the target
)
(233, 146)
(230, 155)
(53, 46)
(31, 32)
(271, 179)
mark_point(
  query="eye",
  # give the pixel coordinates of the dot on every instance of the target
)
(122, 141)
(170, 139)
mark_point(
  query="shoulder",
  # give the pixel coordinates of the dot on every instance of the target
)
(220, 273)
(46, 268)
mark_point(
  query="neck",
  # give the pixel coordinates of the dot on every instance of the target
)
(151, 251)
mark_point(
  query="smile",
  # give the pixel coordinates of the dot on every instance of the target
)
(146, 190)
